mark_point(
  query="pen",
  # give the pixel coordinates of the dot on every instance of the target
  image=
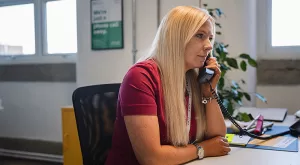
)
(268, 126)
(264, 131)
(253, 121)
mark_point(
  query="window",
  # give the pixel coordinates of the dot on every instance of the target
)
(61, 27)
(278, 35)
(38, 27)
(285, 24)
(17, 30)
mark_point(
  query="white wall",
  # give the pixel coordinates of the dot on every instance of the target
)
(32, 110)
(94, 67)
(281, 97)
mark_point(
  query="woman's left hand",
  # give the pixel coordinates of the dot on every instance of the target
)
(211, 63)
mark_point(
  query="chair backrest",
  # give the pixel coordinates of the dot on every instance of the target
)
(95, 113)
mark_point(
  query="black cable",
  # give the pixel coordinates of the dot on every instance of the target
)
(242, 131)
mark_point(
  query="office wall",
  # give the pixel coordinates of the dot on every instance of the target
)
(32, 110)
(94, 67)
(280, 96)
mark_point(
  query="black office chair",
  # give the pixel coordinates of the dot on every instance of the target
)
(95, 113)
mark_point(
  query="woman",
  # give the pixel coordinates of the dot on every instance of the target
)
(160, 115)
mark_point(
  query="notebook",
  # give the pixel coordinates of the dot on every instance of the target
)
(234, 139)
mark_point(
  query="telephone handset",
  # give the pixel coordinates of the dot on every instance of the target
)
(205, 75)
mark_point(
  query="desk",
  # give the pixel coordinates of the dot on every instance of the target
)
(248, 156)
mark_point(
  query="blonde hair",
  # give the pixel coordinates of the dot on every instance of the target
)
(168, 48)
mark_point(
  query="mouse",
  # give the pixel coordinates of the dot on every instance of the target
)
(297, 114)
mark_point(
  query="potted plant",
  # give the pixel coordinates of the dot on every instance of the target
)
(230, 91)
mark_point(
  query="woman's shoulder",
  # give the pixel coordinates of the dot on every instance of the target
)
(149, 63)
(145, 71)
(145, 67)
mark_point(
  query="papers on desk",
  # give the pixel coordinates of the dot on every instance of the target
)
(234, 139)
(280, 142)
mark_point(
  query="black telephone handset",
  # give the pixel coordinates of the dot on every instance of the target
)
(204, 76)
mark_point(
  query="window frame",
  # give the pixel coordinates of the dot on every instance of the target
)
(40, 24)
(264, 35)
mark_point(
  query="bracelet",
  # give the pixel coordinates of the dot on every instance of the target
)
(206, 99)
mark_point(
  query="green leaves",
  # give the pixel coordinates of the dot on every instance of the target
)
(244, 56)
(247, 96)
(219, 12)
(220, 47)
(214, 12)
(230, 108)
(221, 83)
(232, 62)
(243, 81)
(235, 84)
(222, 55)
(243, 65)
(251, 61)
(218, 24)
(243, 117)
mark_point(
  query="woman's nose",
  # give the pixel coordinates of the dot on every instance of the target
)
(208, 47)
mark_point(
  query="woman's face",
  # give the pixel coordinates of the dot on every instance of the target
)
(199, 47)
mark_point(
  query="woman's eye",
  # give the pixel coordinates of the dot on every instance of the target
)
(210, 39)
(200, 35)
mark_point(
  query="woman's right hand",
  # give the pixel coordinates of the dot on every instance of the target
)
(217, 146)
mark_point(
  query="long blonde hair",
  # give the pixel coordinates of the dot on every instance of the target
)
(168, 48)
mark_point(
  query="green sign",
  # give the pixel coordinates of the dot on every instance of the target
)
(107, 24)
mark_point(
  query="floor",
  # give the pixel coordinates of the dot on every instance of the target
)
(13, 161)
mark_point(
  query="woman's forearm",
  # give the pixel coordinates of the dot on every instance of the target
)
(215, 120)
(168, 154)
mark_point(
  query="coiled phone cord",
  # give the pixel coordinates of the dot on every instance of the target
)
(242, 131)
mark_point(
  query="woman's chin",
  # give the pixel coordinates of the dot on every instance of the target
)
(200, 65)
(196, 66)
